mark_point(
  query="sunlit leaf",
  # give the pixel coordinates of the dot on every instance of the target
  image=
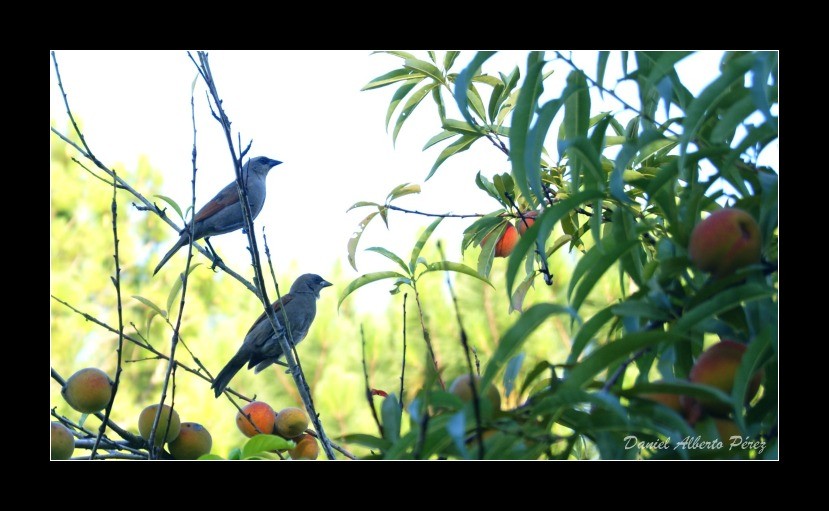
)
(368, 278)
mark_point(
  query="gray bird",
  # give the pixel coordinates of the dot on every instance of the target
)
(261, 346)
(223, 213)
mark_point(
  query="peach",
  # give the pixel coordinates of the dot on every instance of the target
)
(88, 390)
(63, 443)
(168, 415)
(463, 389)
(527, 222)
(717, 366)
(306, 448)
(192, 441)
(291, 422)
(727, 240)
(260, 414)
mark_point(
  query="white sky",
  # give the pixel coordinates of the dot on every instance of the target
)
(304, 108)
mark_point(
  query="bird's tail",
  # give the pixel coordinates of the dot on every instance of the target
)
(180, 243)
(229, 371)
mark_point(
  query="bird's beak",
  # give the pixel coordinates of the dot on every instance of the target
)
(325, 283)
(274, 163)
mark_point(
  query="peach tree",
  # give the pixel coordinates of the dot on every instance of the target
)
(621, 192)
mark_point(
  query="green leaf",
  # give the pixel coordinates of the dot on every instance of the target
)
(457, 268)
(362, 204)
(489, 80)
(757, 353)
(732, 118)
(398, 96)
(402, 191)
(476, 102)
(355, 238)
(614, 352)
(487, 255)
(397, 53)
(368, 278)
(516, 302)
(705, 102)
(390, 255)
(464, 80)
(514, 338)
(522, 118)
(449, 59)
(456, 147)
(721, 302)
(420, 243)
(372, 442)
(409, 107)
(210, 457)
(439, 102)
(511, 373)
(391, 413)
(623, 159)
(263, 443)
(398, 75)
(592, 266)
(426, 68)
(460, 127)
(440, 137)
(177, 286)
(173, 204)
(576, 106)
(541, 229)
(149, 303)
(600, 69)
(587, 332)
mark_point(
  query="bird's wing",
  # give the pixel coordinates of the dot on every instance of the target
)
(277, 307)
(229, 195)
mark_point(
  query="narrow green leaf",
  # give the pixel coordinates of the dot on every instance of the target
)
(149, 303)
(516, 301)
(439, 102)
(457, 268)
(420, 243)
(449, 59)
(489, 80)
(362, 204)
(757, 353)
(389, 255)
(592, 266)
(625, 156)
(721, 302)
(465, 79)
(177, 286)
(402, 191)
(600, 69)
(732, 118)
(613, 352)
(426, 68)
(173, 204)
(460, 127)
(372, 442)
(522, 118)
(391, 413)
(368, 278)
(456, 147)
(587, 332)
(511, 373)
(409, 107)
(440, 137)
(734, 72)
(476, 103)
(397, 53)
(514, 338)
(398, 96)
(487, 255)
(355, 239)
(210, 457)
(397, 75)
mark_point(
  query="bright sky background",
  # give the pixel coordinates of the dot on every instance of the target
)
(304, 108)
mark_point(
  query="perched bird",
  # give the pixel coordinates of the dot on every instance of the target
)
(261, 346)
(223, 213)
